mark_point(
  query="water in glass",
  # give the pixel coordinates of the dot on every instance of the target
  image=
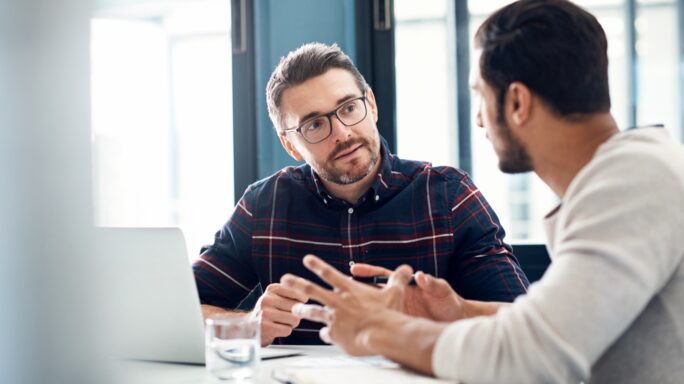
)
(232, 358)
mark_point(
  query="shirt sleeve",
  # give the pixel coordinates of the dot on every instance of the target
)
(224, 273)
(483, 266)
(616, 246)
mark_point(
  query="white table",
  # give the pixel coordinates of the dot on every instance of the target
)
(134, 372)
(326, 361)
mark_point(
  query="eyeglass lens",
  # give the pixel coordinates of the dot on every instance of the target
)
(319, 128)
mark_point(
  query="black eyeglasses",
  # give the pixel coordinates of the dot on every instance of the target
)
(319, 128)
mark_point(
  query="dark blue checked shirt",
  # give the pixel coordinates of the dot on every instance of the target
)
(432, 218)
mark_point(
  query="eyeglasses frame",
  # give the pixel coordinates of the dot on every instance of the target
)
(329, 115)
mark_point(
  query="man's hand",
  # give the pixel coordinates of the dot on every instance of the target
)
(275, 308)
(353, 309)
(431, 297)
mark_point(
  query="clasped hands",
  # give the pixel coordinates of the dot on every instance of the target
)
(353, 310)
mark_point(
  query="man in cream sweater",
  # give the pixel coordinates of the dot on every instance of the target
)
(610, 308)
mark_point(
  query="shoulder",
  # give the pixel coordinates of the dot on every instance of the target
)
(626, 203)
(450, 183)
(450, 174)
(645, 161)
(419, 169)
(635, 174)
(287, 177)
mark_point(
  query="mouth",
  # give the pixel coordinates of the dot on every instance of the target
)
(348, 152)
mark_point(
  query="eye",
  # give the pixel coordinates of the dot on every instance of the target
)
(314, 124)
(349, 108)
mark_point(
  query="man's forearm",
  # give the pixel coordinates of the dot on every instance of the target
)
(410, 340)
(407, 340)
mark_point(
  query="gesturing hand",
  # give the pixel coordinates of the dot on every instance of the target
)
(275, 308)
(353, 308)
(431, 297)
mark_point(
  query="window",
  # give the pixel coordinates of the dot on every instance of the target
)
(426, 85)
(162, 117)
(658, 97)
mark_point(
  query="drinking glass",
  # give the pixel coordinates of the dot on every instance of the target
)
(232, 347)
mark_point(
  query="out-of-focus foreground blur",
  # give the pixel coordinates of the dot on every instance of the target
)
(49, 326)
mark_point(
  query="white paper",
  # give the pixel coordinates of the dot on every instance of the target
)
(347, 369)
(351, 374)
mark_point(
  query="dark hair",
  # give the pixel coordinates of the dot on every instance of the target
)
(308, 61)
(554, 47)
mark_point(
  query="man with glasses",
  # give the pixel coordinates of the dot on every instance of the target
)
(352, 202)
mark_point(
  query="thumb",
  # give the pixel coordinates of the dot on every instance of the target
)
(401, 276)
(432, 285)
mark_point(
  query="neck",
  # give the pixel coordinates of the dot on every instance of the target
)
(562, 152)
(351, 193)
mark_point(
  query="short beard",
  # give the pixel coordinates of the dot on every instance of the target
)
(341, 178)
(344, 179)
(514, 158)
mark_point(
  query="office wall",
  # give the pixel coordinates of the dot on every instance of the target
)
(282, 26)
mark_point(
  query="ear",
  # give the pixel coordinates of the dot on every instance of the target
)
(289, 146)
(371, 102)
(518, 103)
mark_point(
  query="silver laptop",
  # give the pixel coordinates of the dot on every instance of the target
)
(153, 307)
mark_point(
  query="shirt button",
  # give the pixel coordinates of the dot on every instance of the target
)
(377, 197)
(350, 210)
(351, 263)
(325, 201)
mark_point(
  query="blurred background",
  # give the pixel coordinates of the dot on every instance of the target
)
(179, 121)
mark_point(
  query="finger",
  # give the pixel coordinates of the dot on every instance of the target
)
(271, 329)
(286, 292)
(433, 285)
(279, 302)
(281, 317)
(365, 270)
(421, 281)
(313, 312)
(324, 334)
(328, 273)
(400, 277)
(310, 289)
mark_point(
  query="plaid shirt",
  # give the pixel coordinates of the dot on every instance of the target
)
(432, 218)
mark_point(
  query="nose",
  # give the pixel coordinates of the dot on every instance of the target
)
(478, 116)
(478, 120)
(341, 132)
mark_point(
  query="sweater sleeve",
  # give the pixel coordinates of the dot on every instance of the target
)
(615, 246)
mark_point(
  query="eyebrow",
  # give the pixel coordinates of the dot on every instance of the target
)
(316, 113)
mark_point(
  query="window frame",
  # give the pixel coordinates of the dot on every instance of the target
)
(244, 69)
